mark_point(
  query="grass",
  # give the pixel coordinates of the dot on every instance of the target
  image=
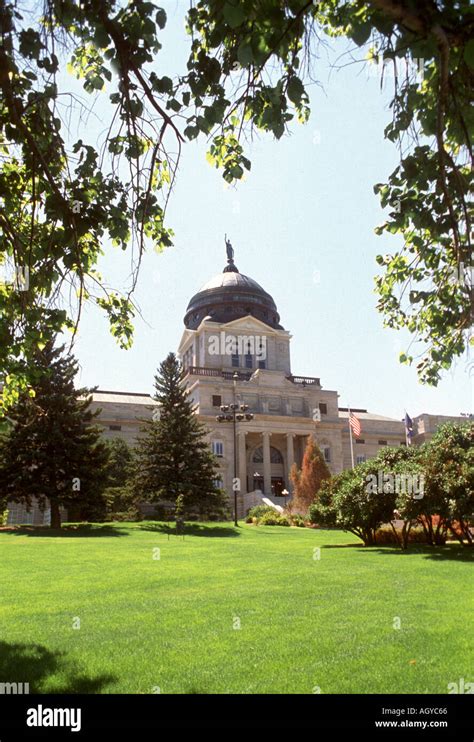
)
(168, 623)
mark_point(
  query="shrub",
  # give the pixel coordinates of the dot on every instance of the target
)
(296, 519)
(273, 519)
(385, 535)
(258, 511)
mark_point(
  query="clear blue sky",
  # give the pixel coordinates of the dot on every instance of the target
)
(302, 225)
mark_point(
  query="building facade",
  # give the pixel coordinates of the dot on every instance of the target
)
(235, 351)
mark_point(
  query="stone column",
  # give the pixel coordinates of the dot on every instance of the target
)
(290, 457)
(242, 461)
(267, 467)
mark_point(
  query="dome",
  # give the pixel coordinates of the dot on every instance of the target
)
(230, 295)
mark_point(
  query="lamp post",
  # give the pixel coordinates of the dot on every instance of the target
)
(234, 413)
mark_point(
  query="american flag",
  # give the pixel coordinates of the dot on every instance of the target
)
(409, 432)
(354, 422)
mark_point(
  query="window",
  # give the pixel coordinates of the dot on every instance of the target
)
(262, 364)
(217, 448)
(248, 360)
(216, 400)
(327, 454)
(360, 441)
(275, 456)
(323, 408)
(235, 360)
(383, 443)
(115, 427)
(360, 459)
(218, 483)
(296, 404)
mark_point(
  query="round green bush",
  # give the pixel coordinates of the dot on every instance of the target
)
(273, 519)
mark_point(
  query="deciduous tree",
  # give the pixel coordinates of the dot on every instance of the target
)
(63, 198)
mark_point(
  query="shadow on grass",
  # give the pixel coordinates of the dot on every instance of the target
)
(438, 553)
(191, 529)
(34, 664)
(343, 546)
(74, 530)
(449, 551)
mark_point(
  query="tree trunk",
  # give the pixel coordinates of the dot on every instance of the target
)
(397, 538)
(55, 514)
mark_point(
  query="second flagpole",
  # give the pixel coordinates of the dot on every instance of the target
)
(350, 435)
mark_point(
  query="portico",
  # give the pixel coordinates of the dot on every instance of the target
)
(265, 458)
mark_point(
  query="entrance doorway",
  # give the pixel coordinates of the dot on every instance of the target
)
(278, 485)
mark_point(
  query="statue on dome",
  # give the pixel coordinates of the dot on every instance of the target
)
(229, 249)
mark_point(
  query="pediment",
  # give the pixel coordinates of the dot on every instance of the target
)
(248, 323)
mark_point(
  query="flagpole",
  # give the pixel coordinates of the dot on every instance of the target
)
(350, 435)
(407, 438)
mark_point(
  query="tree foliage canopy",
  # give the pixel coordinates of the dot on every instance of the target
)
(307, 481)
(174, 461)
(432, 485)
(249, 65)
(53, 451)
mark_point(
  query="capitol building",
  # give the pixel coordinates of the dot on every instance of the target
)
(235, 350)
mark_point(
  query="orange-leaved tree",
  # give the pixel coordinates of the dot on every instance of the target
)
(307, 480)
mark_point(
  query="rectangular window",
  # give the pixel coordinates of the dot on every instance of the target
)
(360, 459)
(115, 427)
(248, 361)
(235, 360)
(327, 454)
(360, 441)
(216, 400)
(297, 405)
(217, 448)
(218, 483)
(262, 364)
(323, 408)
(383, 443)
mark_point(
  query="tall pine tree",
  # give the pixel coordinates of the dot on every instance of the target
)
(174, 459)
(52, 451)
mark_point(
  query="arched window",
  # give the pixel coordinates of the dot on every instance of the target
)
(275, 456)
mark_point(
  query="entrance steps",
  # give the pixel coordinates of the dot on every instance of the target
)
(252, 499)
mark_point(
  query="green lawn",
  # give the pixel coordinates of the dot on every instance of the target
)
(169, 622)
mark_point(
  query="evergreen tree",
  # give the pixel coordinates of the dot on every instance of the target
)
(52, 451)
(307, 481)
(174, 459)
(120, 500)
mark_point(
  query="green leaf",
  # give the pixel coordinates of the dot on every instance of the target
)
(233, 14)
(161, 18)
(360, 34)
(97, 82)
(245, 54)
(469, 53)
(295, 90)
